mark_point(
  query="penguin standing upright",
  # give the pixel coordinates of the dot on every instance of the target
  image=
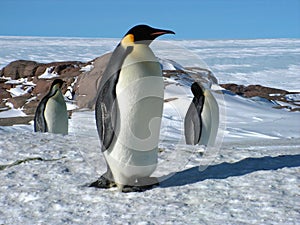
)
(193, 120)
(201, 121)
(129, 109)
(51, 114)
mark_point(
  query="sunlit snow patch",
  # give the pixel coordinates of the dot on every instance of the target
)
(19, 87)
(49, 73)
(19, 91)
(87, 68)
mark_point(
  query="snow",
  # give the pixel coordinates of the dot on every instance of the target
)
(48, 74)
(11, 112)
(71, 105)
(22, 86)
(87, 68)
(269, 62)
(19, 91)
(250, 177)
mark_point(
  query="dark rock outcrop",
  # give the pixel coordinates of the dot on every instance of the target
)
(19, 69)
(26, 69)
(271, 94)
(87, 84)
(254, 90)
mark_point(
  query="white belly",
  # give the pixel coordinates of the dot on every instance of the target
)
(56, 115)
(140, 94)
(210, 120)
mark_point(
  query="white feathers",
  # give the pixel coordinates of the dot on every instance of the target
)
(56, 115)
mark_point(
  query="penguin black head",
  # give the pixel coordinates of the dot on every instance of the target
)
(144, 33)
(197, 90)
(58, 83)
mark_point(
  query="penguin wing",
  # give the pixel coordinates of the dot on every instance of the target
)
(39, 118)
(106, 104)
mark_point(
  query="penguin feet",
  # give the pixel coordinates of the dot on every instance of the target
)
(142, 184)
(103, 182)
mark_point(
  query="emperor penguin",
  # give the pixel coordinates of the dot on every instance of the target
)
(193, 120)
(201, 121)
(128, 111)
(51, 114)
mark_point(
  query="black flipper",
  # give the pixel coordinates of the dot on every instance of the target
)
(106, 106)
(193, 121)
(40, 124)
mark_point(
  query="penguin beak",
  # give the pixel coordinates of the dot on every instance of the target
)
(159, 32)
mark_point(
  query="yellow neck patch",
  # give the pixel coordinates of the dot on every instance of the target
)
(128, 39)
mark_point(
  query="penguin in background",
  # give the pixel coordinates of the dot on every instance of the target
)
(128, 112)
(51, 114)
(202, 118)
(193, 120)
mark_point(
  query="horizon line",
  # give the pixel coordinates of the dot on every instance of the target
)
(166, 39)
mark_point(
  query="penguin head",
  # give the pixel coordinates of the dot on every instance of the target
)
(143, 34)
(56, 85)
(197, 90)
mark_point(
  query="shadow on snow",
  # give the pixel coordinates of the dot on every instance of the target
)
(225, 170)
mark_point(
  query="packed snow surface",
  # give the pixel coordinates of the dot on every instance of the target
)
(252, 176)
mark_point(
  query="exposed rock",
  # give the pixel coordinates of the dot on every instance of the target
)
(88, 83)
(19, 69)
(3, 93)
(253, 90)
(19, 101)
(271, 94)
(15, 120)
(64, 69)
(42, 85)
(25, 68)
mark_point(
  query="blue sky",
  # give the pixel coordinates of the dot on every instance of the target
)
(190, 19)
